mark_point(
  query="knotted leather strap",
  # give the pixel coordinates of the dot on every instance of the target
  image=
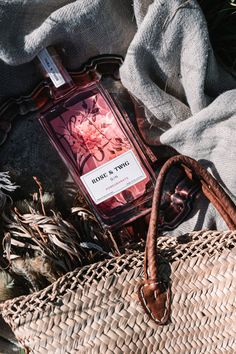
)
(154, 294)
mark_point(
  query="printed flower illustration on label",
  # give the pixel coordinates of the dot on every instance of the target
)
(92, 133)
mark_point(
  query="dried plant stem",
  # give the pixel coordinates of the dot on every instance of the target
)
(40, 194)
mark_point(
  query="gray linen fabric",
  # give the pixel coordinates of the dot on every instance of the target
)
(170, 67)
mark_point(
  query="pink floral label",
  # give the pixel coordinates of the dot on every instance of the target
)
(90, 133)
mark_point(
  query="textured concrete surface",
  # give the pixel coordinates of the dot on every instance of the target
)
(26, 153)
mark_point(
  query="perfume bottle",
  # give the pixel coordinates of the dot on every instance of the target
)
(91, 134)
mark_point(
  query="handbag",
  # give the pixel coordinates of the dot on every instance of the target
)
(176, 297)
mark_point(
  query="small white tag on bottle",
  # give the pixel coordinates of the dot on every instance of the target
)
(51, 68)
(113, 177)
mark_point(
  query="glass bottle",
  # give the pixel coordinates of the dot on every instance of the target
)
(91, 134)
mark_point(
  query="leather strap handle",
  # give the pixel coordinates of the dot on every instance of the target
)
(154, 294)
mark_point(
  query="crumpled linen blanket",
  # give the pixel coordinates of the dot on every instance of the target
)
(169, 66)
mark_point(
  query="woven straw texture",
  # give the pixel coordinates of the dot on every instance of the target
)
(95, 309)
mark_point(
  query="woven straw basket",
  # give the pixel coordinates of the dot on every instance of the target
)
(189, 285)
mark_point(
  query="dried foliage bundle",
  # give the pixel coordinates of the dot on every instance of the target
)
(39, 245)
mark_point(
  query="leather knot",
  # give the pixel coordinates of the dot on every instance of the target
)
(155, 298)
